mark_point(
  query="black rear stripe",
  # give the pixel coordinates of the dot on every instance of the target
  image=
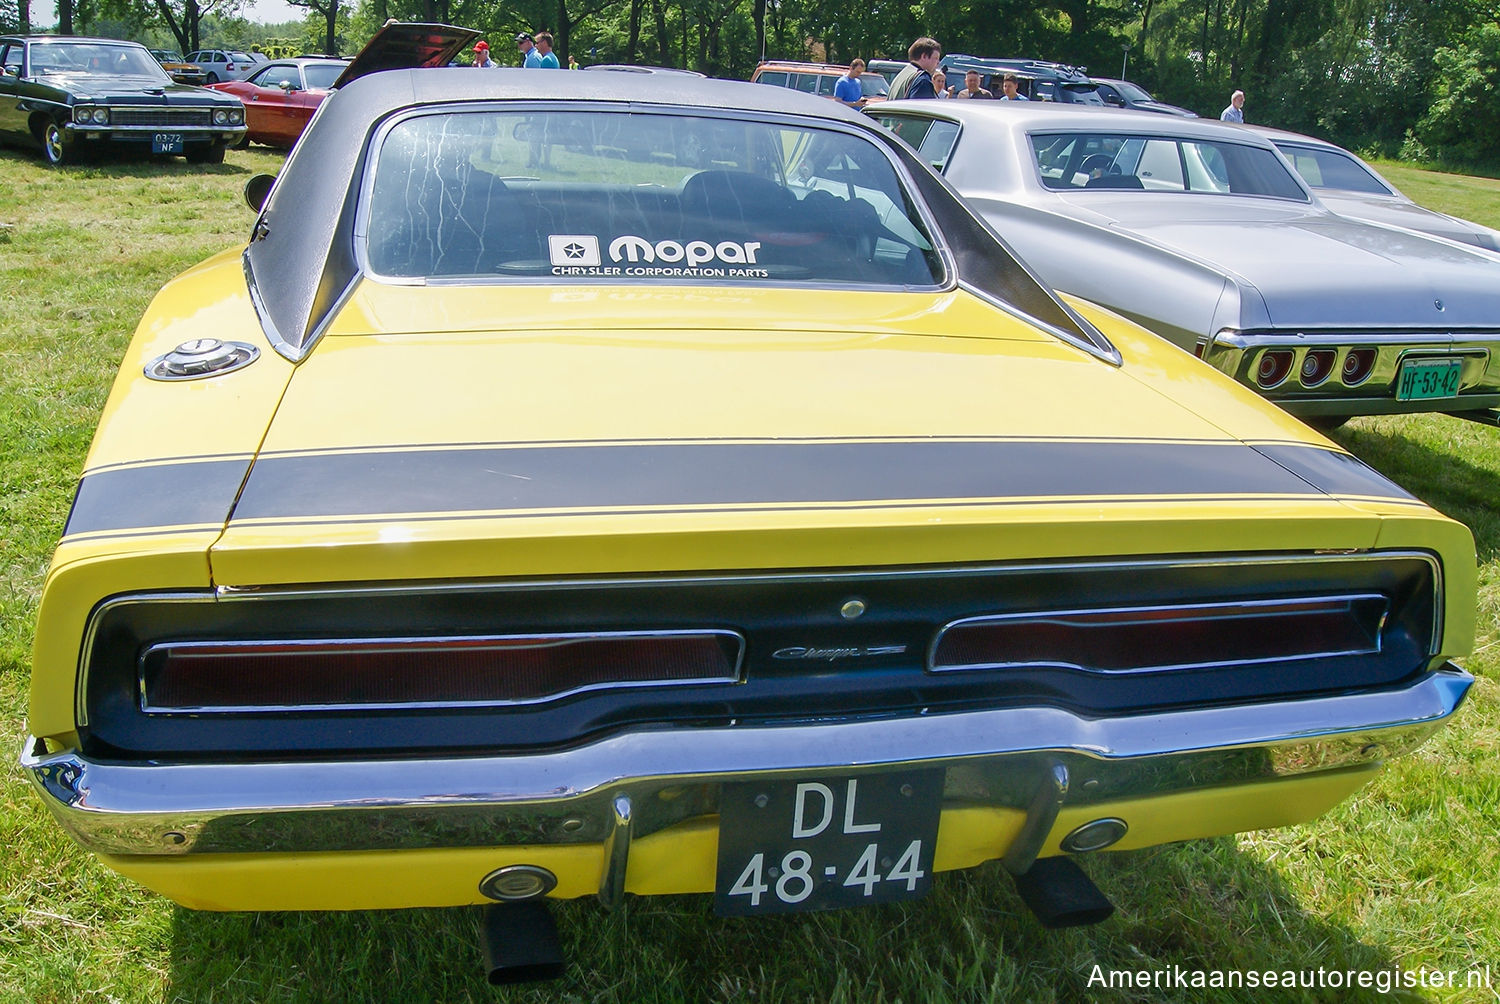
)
(507, 480)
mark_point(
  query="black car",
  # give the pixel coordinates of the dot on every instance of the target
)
(1124, 94)
(1036, 79)
(74, 96)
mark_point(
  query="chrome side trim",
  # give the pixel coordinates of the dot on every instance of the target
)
(735, 675)
(671, 775)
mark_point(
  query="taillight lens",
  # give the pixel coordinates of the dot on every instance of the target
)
(1316, 366)
(1357, 366)
(1273, 367)
(206, 677)
(1168, 637)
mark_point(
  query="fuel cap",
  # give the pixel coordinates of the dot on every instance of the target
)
(201, 357)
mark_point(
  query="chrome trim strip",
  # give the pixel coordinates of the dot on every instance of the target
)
(566, 795)
(1031, 616)
(736, 674)
(1438, 338)
(251, 594)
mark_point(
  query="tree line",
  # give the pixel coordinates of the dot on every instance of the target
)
(1411, 78)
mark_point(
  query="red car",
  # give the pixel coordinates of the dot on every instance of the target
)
(281, 96)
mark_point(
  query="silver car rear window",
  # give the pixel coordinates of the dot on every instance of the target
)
(593, 195)
(1155, 163)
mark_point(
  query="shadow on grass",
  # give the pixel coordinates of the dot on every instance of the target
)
(1443, 478)
(1200, 905)
(126, 164)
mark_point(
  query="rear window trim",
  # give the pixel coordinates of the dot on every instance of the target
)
(368, 159)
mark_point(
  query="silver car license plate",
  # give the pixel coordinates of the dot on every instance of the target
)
(1425, 379)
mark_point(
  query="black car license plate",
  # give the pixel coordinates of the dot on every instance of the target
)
(820, 843)
(166, 142)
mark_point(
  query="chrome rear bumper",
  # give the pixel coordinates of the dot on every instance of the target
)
(1239, 353)
(994, 757)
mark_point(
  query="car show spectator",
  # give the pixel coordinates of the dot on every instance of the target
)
(972, 88)
(846, 89)
(530, 58)
(915, 79)
(1010, 89)
(1236, 110)
(940, 84)
(482, 55)
(548, 58)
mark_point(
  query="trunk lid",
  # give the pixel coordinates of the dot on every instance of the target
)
(416, 441)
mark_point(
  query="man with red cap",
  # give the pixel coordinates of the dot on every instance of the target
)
(482, 54)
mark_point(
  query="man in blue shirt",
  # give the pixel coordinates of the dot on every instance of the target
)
(1010, 89)
(847, 88)
(530, 58)
(548, 58)
(1236, 110)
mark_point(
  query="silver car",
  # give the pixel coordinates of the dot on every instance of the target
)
(223, 64)
(1202, 233)
(1350, 187)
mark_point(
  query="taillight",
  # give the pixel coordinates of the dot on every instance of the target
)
(1357, 366)
(224, 676)
(1273, 367)
(1140, 639)
(1316, 366)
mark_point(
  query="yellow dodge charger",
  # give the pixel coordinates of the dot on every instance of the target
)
(591, 487)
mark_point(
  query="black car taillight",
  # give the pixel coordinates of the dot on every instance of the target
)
(1166, 637)
(225, 676)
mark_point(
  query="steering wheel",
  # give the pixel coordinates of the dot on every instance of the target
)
(1095, 162)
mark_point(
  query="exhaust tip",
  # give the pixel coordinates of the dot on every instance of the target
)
(520, 943)
(1058, 892)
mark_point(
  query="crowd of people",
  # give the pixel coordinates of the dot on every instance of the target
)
(923, 77)
(535, 52)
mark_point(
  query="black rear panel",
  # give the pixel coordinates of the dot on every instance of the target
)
(805, 656)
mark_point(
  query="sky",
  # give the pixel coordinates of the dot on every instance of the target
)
(44, 12)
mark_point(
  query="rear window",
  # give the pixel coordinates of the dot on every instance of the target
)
(639, 197)
(322, 75)
(1161, 164)
(1323, 168)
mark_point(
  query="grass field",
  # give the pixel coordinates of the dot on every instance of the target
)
(1404, 874)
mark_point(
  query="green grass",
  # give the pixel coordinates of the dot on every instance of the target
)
(1403, 874)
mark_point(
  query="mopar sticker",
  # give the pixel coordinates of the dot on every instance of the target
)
(578, 254)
